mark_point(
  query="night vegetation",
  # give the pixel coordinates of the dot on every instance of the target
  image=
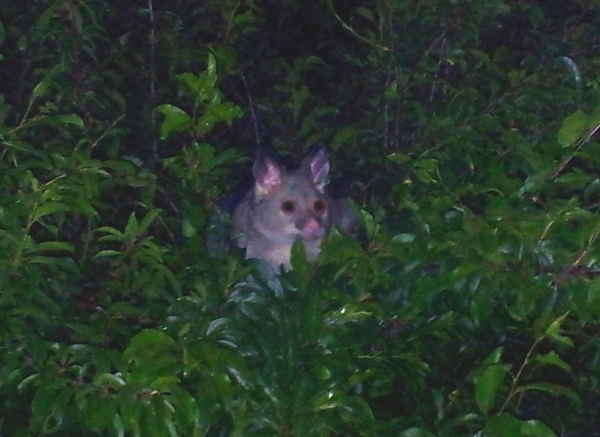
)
(466, 133)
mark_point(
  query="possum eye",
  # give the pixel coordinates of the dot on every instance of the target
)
(319, 206)
(288, 206)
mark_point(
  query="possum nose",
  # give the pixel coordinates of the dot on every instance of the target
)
(311, 229)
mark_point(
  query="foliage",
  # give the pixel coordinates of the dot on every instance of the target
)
(467, 134)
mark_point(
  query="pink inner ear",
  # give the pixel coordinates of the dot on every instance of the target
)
(269, 177)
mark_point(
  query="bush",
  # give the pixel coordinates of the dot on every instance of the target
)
(464, 131)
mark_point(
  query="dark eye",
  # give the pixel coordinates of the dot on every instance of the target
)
(320, 206)
(288, 206)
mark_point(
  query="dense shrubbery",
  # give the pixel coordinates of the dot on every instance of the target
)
(465, 132)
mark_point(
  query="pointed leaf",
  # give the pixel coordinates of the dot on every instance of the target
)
(553, 358)
(176, 120)
(487, 385)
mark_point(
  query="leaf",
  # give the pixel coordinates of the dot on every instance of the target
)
(555, 389)
(368, 223)
(298, 256)
(22, 146)
(188, 229)
(212, 64)
(299, 96)
(186, 411)
(31, 379)
(203, 85)
(594, 292)
(176, 120)
(573, 128)
(391, 92)
(553, 358)
(503, 425)
(416, 432)
(118, 425)
(535, 428)
(72, 119)
(223, 112)
(54, 245)
(132, 229)
(398, 158)
(487, 385)
(148, 219)
(104, 253)
(47, 208)
(113, 236)
(494, 357)
(403, 238)
(109, 380)
(554, 331)
(41, 89)
(345, 135)
(148, 344)
(43, 401)
(366, 13)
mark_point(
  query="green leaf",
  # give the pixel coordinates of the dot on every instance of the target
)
(203, 85)
(44, 400)
(403, 238)
(212, 64)
(223, 112)
(148, 344)
(391, 92)
(416, 432)
(41, 89)
(487, 385)
(113, 234)
(554, 331)
(188, 229)
(31, 379)
(503, 425)
(148, 219)
(54, 245)
(118, 425)
(176, 120)
(47, 208)
(299, 97)
(298, 256)
(535, 428)
(109, 380)
(552, 358)
(494, 357)
(104, 253)
(574, 127)
(593, 296)
(555, 389)
(72, 119)
(398, 158)
(132, 228)
(344, 136)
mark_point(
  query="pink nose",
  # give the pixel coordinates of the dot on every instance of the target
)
(311, 230)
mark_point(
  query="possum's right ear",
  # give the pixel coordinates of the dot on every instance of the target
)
(267, 171)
